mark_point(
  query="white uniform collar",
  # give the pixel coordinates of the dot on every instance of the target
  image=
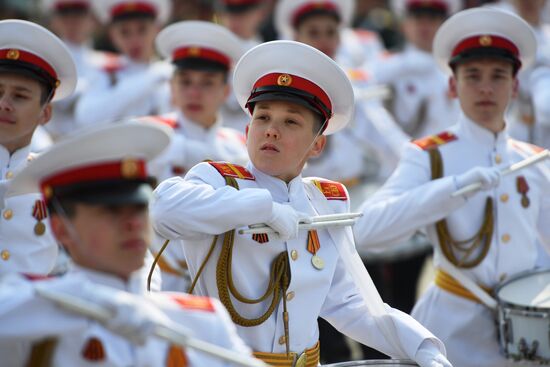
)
(12, 161)
(279, 189)
(109, 280)
(195, 130)
(474, 132)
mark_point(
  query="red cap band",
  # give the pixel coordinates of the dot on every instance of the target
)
(20, 55)
(296, 82)
(129, 169)
(63, 5)
(308, 8)
(426, 4)
(241, 2)
(202, 53)
(133, 7)
(485, 41)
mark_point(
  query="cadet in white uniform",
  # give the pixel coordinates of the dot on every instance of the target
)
(420, 101)
(244, 19)
(73, 22)
(34, 71)
(320, 25)
(276, 286)
(131, 84)
(203, 54)
(97, 195)
(490, 235)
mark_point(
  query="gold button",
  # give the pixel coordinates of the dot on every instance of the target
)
(282, 340)
(498, 159)
(504, 198)
(289, 296)
(294, 255)
(5, 254)
(505, 237)
(9, 174)
(8, 213)
(502, 277)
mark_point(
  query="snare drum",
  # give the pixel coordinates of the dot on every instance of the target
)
(524, 316)
(375, 363)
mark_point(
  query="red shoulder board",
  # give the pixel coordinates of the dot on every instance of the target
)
(434, 141)
(36, 277)
(358, 75)
(111, 62)
(331, 189)
(527, 147)
(190, 302)
(170, 121)
(232, 170)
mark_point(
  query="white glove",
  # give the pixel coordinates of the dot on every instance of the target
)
(284, 220)
(429, 355)
(134, 318)
(488, 177)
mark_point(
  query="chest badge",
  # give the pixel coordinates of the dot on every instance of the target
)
(313, 246)
(523, 188)
(260, 237)
(39, 212)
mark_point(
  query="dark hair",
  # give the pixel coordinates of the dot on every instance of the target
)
(497, 55)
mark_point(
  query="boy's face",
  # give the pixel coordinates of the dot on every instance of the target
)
(75, 27)
(320, 32)
(420, 30)
(484, 88)
(134, 38)
(21, 110)
(281, 138)
(199, 94)
(110, 239)
(244, 24)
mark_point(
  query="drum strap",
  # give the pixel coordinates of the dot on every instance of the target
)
(445, 281)
(479, 243)
(279, 281)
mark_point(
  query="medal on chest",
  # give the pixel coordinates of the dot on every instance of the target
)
(523, 188)
(313, 246)
(39, 212)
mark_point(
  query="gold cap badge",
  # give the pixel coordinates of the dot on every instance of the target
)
(485, 41)
(13, 54)
(129, 168)
(284, 79)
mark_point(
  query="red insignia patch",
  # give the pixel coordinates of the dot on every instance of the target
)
(332, 190)
(232, 170)
(434, 141)
(189, 302)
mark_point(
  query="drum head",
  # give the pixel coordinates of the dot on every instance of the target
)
(530, 289)
(374, 363)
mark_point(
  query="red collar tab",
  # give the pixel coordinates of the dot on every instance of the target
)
(311, 7)
(133, 7)
(24, 56)
(129, 169)
(486, 40)
(202, 53)
(296, 82)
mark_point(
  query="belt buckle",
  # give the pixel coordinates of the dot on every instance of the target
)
(301, 360)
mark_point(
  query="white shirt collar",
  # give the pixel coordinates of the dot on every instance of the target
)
(475, 132)
(279, 189)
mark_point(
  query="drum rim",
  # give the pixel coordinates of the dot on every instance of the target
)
(405, 362)
(515, 277)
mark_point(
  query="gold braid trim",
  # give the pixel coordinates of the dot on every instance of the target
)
(449, 245)
(42, 353)
(279, 281)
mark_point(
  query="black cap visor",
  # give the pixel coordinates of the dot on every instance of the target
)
(110, 192)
